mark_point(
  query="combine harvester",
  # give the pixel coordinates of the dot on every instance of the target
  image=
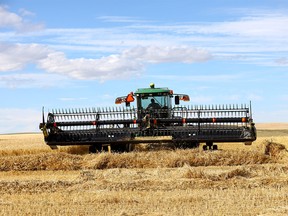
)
(154, 120)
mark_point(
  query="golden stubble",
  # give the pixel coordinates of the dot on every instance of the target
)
(236, 180)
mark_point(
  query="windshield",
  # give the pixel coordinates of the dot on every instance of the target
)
(156, 102)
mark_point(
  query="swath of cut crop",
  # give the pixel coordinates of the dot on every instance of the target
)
(33, 186)
(162, 159)
(201, 174)
(49, 161)
(174, 159)
(274, 149)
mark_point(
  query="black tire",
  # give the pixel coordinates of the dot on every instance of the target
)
(195, 144)
(205, 147)
(95, 149)
(92, 149)
(118, 148)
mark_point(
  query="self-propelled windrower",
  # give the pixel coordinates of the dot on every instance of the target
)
(157, 118)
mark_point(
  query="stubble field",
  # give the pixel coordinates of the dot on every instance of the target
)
(235, 180)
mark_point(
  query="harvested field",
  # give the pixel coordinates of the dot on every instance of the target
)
(236, 180)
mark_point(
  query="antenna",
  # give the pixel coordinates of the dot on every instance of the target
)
(251, 109)
(43, 118)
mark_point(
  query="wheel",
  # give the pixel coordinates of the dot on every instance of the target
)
(215, 147)
(95, 149)
(195, 144)
(118, 148)
(205, 147)
(209, 144)
(92, 149)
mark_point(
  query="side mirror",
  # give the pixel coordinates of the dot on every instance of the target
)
(177, 100)
(185, 98)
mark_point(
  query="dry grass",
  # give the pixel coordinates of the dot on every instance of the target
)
(236, 180)
(145, 160)
(161, 191)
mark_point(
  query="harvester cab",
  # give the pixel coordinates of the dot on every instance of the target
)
(157, 102)
(157, 118)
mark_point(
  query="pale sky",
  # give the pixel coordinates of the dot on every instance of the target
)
(74, 54)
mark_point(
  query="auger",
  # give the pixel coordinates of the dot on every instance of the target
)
(157, 118)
